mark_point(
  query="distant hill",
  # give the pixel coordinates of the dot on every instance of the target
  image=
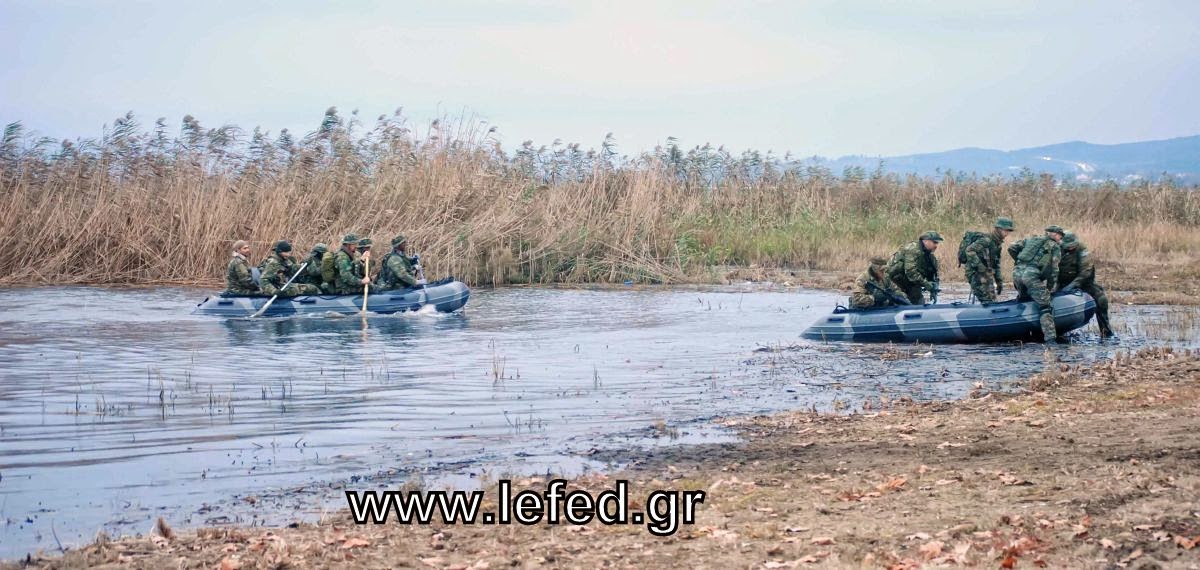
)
(1178, 157)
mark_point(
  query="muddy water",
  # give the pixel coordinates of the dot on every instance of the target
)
(117, 407)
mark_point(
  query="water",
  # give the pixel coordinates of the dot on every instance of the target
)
(118, 406)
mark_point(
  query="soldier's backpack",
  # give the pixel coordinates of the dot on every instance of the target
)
(328, 273)
(1032, 250)
(968, 238)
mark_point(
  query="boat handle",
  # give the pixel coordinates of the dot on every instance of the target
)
(836, 319)
(395, 298)
(224, 302)
(306, 301)
(912, 316)
(1004, 310)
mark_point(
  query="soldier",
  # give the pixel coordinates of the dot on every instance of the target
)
(1076, 271)
(312, 271)
(343, 281)
(278, 268)
(364, 251)
(239, 280)
(874, 289)
(980, 255)
(397, 271)
(1036, 274)
(914, 268)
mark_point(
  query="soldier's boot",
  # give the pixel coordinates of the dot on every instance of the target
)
(1102, 315)
(1049, 333)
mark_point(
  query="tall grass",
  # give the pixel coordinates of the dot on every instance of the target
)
(141, 205)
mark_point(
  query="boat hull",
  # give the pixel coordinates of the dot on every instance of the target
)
(953, 323)
(446, 296)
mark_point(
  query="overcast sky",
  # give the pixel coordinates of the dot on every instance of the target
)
(829, 78)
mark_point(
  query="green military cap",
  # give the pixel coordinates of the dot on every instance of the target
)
(1005, 223)
(349, 238)
(932, 235)
(878, 261)
(396, 241)
(283, 246)
(1056, 229)
(364, 242)
(1069, 240)
(320, 248)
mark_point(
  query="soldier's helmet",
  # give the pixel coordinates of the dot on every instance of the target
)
(320, 248)
(1056, 229)
(396, 241)
(283, 246)
(932, 235)
(1069, 240)
(1005, 223)
(364, 243)
(349, 238)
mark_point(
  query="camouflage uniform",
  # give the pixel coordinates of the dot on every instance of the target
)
(865, 297)
(1076, 271)
(983, 267)
(238, 278)
(345, 281)
(1036, 271)
(914, 269)
(397, 272)
(276, 271)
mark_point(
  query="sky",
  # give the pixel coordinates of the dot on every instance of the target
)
(808, 77)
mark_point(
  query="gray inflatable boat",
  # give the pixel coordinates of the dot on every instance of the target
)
(952, 323)
(446, 296)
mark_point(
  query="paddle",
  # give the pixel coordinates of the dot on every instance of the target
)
(366, 286)
(285, 285)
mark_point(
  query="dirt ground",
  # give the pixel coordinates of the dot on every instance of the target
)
(1087, 468)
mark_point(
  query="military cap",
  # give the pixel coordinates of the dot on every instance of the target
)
(320, 248)
(364, 242)
(396, 241)
(1056, 229)
(283, 246)
(1005, 223)
(1069, 240)
(349, 238)
(878, 261)
(932, 235)
(239, 244)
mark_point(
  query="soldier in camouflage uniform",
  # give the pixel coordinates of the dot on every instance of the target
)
(312, 272)
(364, 251)
(914, 268)
(1036, 274)
(874, 289)
(982, 261)
(397, 271)
(238, 278)
(344, 281)
(1076, 271)
(278, 268)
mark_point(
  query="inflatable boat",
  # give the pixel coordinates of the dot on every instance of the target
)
(446, 296)
(954, 322)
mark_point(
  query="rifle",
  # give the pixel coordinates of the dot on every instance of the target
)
(933, 293)
(937, 279)
(897, 299)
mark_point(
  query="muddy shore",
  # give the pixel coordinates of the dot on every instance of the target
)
(1087, 467)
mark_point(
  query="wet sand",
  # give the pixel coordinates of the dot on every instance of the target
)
(1087, 467)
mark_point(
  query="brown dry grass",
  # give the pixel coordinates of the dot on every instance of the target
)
(143, 208)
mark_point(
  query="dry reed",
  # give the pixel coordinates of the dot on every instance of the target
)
(142, 207)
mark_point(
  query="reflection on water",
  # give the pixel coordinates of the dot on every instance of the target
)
(119, 406)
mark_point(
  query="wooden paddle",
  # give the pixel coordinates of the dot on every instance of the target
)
(366, 286)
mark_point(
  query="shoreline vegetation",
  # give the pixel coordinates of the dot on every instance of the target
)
(1085, 467)
(154, 205)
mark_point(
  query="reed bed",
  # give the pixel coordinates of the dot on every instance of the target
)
(141, 206)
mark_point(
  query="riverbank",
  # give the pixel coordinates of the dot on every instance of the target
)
(1088, 467)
